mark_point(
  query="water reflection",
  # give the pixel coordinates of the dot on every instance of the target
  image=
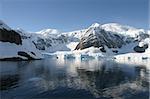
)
(104, 79)
(8, 81)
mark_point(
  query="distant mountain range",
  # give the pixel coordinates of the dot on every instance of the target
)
(107, 38)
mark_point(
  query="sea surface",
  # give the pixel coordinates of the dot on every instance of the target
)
(73, 79)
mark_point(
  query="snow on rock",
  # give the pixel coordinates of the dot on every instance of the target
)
(147, 41)
(22, 32)
(50, 43)
(116, 38)
(10, 50)
(72, 45)
(105, 40)
(128, 48)
(16, 46)
(112, 35)
(50, 40)
(95, 25)
(75, 36)
(4, 26)
(148, 31)
(48, 32)
(122, 29)
(98, 37)
(135, 58)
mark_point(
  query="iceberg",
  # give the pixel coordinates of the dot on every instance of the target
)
(69, 56)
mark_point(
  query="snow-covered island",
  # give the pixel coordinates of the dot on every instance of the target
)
(107, 40)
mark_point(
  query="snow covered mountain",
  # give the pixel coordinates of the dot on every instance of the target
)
(112, 37)
(98, 37)
(48, 32)
(122, 29)
(14, 46)
(51, 40)
(75, 35)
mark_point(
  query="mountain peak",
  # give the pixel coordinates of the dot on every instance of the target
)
(122, 29)
(47, 32)
(95, 25)
(117, 26)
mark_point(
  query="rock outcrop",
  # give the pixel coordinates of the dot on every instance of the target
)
(141, 49)
(16, 46)
(97, 37)
(10, 36)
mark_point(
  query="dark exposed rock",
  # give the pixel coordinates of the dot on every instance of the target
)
(10, 36)
(22, 53)
(33, 53)
(11, 59)
(103, 49)
(141, 49)
(115, 51)
(142, 36)
(145, 46)
(17, 37)
(46, 42)
(39, 46)
(99, 39)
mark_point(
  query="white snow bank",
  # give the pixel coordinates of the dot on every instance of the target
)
(134, 58)
(72, 45)
(89, 53)
(9, 50)
(122, 29)
(146, 41)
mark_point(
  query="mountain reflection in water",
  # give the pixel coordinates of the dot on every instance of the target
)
(103, 79)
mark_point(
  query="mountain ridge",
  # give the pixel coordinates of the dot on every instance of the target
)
(103, 37)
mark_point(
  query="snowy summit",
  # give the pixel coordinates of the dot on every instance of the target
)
(107, 39)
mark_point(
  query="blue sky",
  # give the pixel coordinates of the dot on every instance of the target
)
(68, 15)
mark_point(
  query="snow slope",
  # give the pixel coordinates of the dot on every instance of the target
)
(122, 29)
(10, 50)
(23, 51)
(98, 37)
(52, 40)
(48, 32)
(113, 37)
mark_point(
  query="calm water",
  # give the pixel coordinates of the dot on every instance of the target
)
(73, 79)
